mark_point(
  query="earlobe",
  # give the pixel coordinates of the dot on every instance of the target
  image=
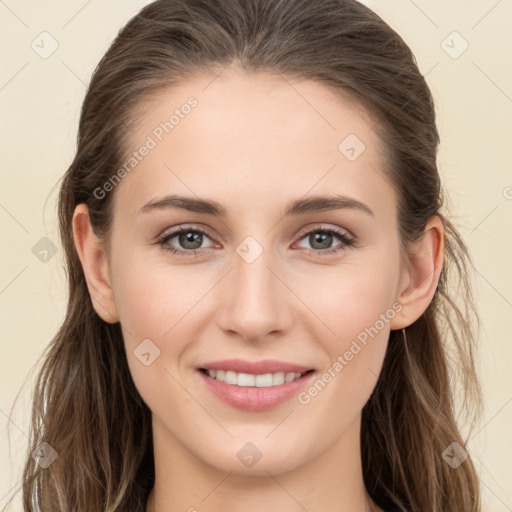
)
(424, 270)
(93, 257)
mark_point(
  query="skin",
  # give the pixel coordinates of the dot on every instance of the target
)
(249, 136)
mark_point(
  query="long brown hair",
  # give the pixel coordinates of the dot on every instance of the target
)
(86, 406)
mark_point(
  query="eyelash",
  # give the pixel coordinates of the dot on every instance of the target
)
(347, 241)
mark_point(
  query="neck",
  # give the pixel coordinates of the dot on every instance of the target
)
(330, 482)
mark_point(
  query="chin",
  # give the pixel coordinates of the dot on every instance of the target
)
(247, 459)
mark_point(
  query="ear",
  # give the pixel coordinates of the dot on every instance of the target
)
(93, 257)
(420, 278)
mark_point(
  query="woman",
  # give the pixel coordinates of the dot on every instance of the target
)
(209, 359)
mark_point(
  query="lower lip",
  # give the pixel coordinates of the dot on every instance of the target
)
(254, 399)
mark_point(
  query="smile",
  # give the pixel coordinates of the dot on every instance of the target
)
(265, 380)
(255, 392)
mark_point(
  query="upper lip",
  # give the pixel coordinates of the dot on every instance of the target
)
(255, 367)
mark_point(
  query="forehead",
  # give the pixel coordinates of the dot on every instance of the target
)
(256, 136)
(253, 102)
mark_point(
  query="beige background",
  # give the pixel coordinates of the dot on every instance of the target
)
(40, 101)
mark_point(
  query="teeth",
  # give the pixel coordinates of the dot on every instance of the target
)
(248, 380)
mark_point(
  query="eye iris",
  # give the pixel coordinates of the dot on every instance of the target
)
(324, 239)
(185, 238)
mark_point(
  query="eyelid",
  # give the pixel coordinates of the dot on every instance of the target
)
(347, 239)
(170, 233)
(185, 227)
(323, 227)
(299, 234)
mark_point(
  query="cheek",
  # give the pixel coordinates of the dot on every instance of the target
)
(155, 306)
(151, 298)
(357, 304)
(341, 308)
(351, 298)
(340, 302)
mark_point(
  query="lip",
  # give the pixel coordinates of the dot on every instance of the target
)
(255, 367)
(252, 398)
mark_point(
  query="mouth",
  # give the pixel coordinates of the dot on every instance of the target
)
(254, 386)
(265, 380)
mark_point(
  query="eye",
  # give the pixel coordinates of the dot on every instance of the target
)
(321, 239)
(189, 238)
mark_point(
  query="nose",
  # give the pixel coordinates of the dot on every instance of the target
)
(255, 303)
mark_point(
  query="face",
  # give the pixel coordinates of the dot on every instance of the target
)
(306, 291)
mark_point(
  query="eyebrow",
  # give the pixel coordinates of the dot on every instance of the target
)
(297, 207)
